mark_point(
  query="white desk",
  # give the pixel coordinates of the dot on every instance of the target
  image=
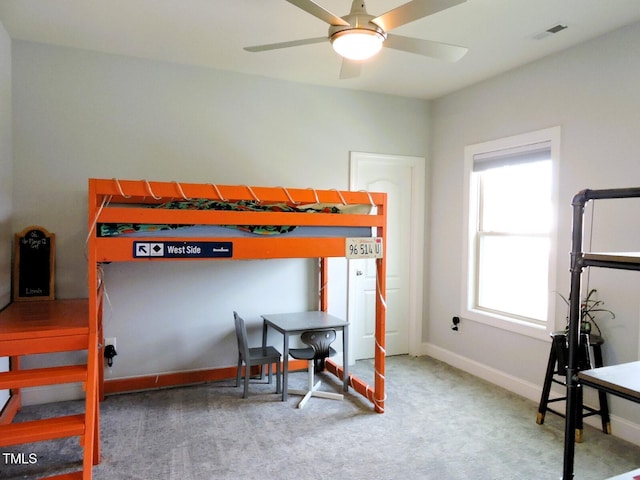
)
(634, 475)
(295, 323)
(622, 380)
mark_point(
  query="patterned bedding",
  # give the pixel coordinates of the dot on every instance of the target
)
(118, 229)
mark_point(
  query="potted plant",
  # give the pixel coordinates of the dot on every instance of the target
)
(590, 309)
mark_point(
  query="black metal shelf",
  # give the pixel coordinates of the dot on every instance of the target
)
(617, 379)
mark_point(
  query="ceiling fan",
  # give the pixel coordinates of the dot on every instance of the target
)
(358, 35)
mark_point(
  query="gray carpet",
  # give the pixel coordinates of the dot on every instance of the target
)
(440, 423)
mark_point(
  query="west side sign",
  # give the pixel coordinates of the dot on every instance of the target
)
(182, 249)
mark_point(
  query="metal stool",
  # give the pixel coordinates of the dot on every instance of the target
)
(557, 367)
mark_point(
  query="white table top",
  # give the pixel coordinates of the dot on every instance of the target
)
(634, 475)
(623, 378)
(301, 321)
(622, 257)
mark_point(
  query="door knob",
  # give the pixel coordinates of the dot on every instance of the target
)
(358, 272)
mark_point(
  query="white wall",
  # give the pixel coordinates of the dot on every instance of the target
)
(591, 91)
(81, 114)
(6, 183)
(6, 163)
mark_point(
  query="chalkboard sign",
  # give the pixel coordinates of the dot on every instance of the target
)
(33, 268)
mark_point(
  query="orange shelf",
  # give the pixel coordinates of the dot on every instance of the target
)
(44, 327)
(28, 328)
(43, 319)
(40, 430)
(43, 376)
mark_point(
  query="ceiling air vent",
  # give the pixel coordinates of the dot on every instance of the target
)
(550, 31)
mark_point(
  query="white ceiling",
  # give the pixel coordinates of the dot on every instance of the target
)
(212, 33)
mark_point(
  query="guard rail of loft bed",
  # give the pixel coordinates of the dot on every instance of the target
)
(140, 202)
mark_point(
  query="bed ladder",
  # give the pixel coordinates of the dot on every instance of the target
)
(28, 328)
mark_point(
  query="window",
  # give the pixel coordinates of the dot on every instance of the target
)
(511, 224)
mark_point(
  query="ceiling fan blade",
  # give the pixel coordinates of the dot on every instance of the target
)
(293, 43)
(317, 11)
(350, 69)
(412, 11)
(441, 51)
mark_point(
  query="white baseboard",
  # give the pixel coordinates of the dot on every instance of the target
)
(621, 428)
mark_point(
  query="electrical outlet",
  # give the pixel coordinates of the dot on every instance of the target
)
(110, 341)
(455, 326)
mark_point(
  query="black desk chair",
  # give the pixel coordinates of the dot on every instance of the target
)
(557, 368)
(254, 356)
(319, 342)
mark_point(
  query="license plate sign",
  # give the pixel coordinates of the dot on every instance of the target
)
(364, 248)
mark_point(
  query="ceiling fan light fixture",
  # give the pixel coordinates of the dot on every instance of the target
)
(357, 43)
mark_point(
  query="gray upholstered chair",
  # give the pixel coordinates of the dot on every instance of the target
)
(254, 356)
(318, 350)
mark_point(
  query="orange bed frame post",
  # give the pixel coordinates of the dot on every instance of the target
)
(324, 282)
(381, 315)
(375, 395)
(92, 420)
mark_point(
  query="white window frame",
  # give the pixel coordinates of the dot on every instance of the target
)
(504, 322)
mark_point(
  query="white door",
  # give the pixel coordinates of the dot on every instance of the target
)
(402, 178)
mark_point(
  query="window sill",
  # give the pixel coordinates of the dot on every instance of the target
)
(520, 327)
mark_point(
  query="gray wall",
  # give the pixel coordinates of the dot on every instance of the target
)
(81, 114)
(6, 166)
(6, 182)
(591, 92)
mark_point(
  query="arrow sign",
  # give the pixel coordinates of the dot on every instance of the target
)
(140, 249)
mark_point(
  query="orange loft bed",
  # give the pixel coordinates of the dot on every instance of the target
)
(142, 221)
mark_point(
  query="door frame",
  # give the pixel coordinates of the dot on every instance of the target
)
(417, 235)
